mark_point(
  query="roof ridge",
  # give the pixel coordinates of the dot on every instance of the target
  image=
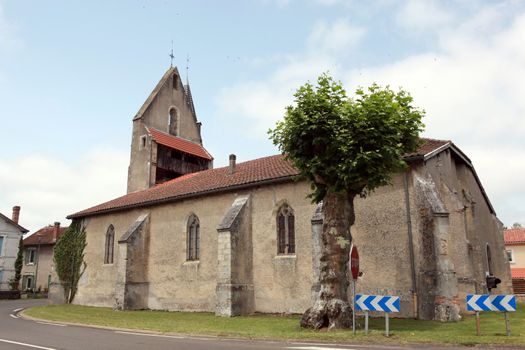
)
(154, 92)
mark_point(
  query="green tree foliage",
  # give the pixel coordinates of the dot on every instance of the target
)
(14, 283)
(344, 147)
(343, 144)
(68, 255)
(19, 262)
(516, 225)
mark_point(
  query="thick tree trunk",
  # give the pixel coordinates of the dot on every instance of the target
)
(332, 308)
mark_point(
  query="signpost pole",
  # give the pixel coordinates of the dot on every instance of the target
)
(353, 306)
(387, 324)
(507, 325)
(478, 332)
(366, 322)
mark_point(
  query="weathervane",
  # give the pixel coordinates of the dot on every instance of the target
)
(171, 55)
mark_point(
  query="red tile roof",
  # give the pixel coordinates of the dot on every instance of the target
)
(254, 172)
(514, 236)
(45, 234)
(183, 145)
(518, 272)
(273, 168)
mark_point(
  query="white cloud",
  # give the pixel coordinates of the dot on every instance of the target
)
(48, 189)
(263, 102)
(334, 38)
(471, 84)
(421, 15)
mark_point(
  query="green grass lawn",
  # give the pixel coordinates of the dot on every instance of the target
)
(287, 327)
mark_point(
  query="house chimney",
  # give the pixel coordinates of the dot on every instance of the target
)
(232, 163)
(56, 228)
(16, 214)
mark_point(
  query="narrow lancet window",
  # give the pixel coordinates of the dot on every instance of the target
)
(193, 239)
(110, 242)
(285, 230)
(173, 127)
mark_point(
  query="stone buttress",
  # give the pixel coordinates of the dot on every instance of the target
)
(132, 287)
(234, 292)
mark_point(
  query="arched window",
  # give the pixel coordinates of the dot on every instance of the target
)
(173, 127)
(489, 260)
(285, 230)
(110, 242)
(192, 238)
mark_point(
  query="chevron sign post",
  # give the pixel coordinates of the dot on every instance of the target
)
(383, 303)
(376, 303)
(487, 302)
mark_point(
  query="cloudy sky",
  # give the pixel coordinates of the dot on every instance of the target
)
(73, 74)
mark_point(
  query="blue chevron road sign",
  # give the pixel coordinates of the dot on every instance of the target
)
(487, 302)
(383, 303)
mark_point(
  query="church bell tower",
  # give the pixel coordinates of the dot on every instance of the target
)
(166, 142)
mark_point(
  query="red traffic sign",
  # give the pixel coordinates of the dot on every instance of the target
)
(354, 262)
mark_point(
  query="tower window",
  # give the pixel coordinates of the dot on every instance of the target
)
(173, 127)
(142, 142)
(175, 81)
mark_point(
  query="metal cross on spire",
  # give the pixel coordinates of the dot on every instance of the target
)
(187, 67)
(171, 55)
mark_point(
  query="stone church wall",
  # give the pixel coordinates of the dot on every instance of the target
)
(282, 283)
(380, 233)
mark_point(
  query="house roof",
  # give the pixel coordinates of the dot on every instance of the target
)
(178, 143)
(45, 234)
(247, 174)
(8, 220)
(514, 236)
(517, 272)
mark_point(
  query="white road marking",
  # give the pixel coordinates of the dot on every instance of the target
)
(19, 309)
(316, 348)
(14, 316)
(52, 324)
(25, 344)
(151, 335)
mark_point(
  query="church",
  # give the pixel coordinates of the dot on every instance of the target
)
(243, 239)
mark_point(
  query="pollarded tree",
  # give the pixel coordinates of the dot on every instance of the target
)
(344, 147)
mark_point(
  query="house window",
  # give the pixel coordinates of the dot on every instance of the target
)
(285, 230)
(27, 282)
(30, 256)
(510, 256)
(1, 276)
(1, 244)
(193, 239)
(110, 241)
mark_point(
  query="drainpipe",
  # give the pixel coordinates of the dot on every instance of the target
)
(411, 246)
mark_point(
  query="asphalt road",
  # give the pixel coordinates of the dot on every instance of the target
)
(19, 334)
